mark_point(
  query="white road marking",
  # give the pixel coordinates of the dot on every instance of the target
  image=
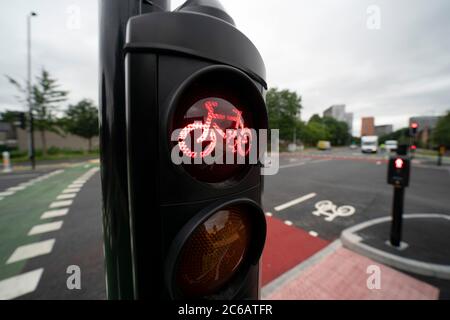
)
(313, 233)
(269, 214)
(45, 227)
(19, 285)
(80, 181)
(16, 188)
(71, 190)
(289, 223)
(58, 204)
(295, 201)
(75, 185)
(331, 211)
(292, 165)
(54, 213)
(66, 196)
(31, 250)
(6, 193)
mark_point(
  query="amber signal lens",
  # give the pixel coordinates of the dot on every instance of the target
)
(213, 253)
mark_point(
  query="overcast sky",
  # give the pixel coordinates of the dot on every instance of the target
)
(388, 59)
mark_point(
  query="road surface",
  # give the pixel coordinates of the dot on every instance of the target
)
(314, 196)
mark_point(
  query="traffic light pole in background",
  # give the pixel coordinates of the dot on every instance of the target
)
(187, 230)
(398, 176)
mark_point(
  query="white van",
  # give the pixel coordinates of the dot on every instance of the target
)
(369, 144)
(390, 145)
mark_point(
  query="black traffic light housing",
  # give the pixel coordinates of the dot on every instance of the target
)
(413, 128)
(175, 61)
(399, 171)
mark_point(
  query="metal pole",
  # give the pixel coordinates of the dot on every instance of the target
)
(397, 212)
(31, 152)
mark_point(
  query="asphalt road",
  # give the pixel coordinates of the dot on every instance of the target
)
(343, 177)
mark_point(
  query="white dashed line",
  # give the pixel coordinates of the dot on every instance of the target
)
(31, 250)
(6, 193)
(289, 223)
(295, 201)
(18, 188)
(54, 213)
(313, 233)
(75, 185)
(45, 227)
(66, 196)
(71, 190)
(19, 285)
(292, 165)
(59, 204)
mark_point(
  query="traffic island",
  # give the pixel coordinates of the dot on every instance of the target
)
(424, 249)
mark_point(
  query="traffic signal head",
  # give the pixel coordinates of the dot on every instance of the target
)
(399, 171)
(414, 126)
(195, 104)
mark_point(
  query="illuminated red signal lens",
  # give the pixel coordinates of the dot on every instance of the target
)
(213, 253)
(414, 125)
(214, 127)
(399, 163)
(413, 147)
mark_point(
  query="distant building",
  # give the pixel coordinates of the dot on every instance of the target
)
(349, 121)
(368, 126)
(426, 126)
(7, 135)
(383, 130)
(337, 111)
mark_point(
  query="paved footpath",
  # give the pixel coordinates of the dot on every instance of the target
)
(328, 271)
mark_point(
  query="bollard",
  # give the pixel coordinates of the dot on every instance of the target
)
(6, 162)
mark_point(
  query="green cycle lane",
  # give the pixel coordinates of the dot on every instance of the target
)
(22, 210)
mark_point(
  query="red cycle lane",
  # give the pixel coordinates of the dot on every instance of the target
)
(286, 246)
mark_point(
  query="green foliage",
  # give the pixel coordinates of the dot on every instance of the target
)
(284, 108)
(401, 135)
(82, 120)
(46, 100)
(326, 128)
(441, 134)
(10, 116)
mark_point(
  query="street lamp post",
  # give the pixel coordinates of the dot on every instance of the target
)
(31, 152)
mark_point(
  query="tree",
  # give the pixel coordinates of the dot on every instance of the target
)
(441, 134)
(401, 135)
(338, 130)
(284, 111)
(326, 128)
(45, 100)
(82, 120)
(10, 116)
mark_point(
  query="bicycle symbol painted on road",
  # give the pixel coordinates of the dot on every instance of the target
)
(331, 211)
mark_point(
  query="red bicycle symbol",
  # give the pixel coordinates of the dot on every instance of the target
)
(237, 139)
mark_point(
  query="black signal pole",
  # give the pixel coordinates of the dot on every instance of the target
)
(397, 213)
(114, 15)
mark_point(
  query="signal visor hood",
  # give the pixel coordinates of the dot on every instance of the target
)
(195, 34)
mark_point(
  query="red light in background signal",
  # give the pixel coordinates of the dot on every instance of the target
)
(414, 125)
(413, 147)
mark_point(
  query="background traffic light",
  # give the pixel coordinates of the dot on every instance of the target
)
(413, 128)
(197, 229)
